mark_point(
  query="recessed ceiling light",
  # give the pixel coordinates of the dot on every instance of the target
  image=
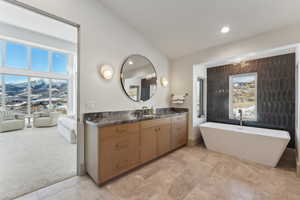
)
(130, 62)
(225, 29)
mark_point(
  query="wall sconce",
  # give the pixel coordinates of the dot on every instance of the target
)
(164, 81)
(106, 71)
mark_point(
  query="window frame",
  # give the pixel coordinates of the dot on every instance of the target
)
(231, 116)
(200, 94)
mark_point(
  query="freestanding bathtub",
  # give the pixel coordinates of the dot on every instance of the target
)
(264, 146)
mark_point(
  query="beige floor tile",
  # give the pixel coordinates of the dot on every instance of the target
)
(191, 173)
(31, 196)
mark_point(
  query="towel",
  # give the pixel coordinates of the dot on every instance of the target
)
(178, 97)
(177, 101)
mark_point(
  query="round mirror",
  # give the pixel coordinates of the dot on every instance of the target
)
(138, 78)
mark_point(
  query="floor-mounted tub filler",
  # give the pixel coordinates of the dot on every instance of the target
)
(264, 146)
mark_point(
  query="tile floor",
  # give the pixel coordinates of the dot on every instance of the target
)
(191, 173)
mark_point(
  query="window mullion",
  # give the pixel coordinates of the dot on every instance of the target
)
(50, 94)
(3, 91)
(29, 96)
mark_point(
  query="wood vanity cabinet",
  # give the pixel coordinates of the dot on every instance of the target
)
(155, 138)
(113, 150)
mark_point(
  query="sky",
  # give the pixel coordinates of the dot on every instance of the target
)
(16, 57)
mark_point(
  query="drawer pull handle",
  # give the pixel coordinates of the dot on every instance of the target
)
(157, 129)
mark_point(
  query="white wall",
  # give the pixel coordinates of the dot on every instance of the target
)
(182, 68)
(105, 39)
(199, 71)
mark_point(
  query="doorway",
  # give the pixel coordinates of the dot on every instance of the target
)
(38, 99)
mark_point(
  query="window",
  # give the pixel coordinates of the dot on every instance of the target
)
(35, 92)
(16, 93)
(242, 96)
(39, 60)
(60, 63)
(59, 93)
(200, 97)
(16, 55)
(40, 99)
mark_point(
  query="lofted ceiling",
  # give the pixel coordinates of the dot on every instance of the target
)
(26, 19)
(179, 27)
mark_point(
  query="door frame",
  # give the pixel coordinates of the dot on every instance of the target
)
(80, 169)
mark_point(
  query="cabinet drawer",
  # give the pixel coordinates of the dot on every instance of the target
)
(118, 155)
(155, 122)
(118, 130)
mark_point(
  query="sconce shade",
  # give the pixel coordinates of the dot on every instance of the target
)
(106, 71)
(164, 81)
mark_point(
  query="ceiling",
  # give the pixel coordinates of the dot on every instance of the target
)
(23, 18)
(179, 28)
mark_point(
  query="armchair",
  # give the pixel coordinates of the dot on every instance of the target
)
(45, 119)
(10, 121)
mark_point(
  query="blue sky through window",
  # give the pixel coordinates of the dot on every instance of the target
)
(60, 63)
(16, 55)
(39, 60)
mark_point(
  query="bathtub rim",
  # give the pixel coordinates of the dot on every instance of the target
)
(285, 135)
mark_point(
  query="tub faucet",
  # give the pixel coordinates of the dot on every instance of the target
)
(241, 117)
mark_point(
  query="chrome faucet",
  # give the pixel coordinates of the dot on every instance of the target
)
(241, 117)
(144, 110)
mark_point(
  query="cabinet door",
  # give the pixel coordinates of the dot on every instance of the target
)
(134, 150)
(148, 144)
(179, 131)
(163, 139)
(179, 137)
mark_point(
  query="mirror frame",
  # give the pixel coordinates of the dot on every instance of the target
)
(121, 76)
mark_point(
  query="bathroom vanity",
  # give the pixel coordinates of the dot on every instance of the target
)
(117, 142)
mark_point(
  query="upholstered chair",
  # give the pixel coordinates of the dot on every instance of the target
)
(45, 119)
(10, 121)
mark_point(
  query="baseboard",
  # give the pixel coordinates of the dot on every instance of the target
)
(194, 142)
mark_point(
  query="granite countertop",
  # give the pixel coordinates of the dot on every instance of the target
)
(122, 117)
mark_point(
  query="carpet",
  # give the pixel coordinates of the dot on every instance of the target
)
(33, 158)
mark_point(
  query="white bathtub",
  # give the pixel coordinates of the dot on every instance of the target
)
(264, 146)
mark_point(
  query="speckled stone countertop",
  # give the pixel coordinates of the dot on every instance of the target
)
(102, 119)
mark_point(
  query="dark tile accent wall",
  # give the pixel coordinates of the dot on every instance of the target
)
(275, 92)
